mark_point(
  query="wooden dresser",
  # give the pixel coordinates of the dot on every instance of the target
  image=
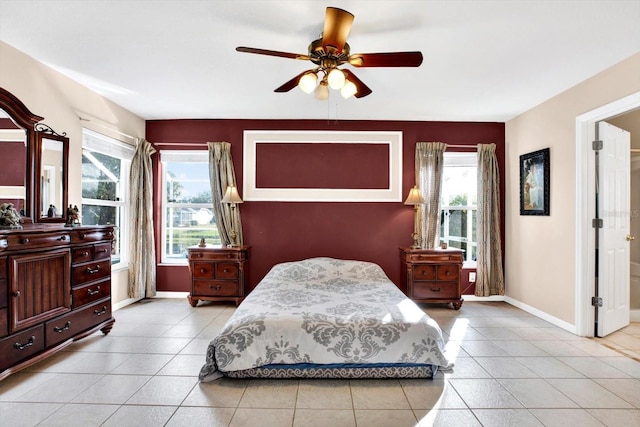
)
(218, 273)
(55, 288)
(432, 275)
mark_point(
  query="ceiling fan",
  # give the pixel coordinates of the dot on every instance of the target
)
(330, 52)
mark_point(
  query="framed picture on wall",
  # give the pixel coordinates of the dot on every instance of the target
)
(534, 183)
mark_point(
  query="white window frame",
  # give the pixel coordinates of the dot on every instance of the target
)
(184, 156)
(460, 159)
(103, 144)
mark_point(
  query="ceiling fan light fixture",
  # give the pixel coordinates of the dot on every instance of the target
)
(336, 78)
(348, 90)
(322, 91)
(307, 82)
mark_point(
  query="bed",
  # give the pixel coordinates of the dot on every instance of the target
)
(326, 318)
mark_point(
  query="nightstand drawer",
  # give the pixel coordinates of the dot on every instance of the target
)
(203, 270)
(424, 272)
(215, 288)
(435, 290)
(434, 257)
(226, 271)
(448, 272)
(209, 255)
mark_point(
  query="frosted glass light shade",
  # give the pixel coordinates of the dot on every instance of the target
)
(336, 79)
(307, 82)
(322, 91)
(349, 89)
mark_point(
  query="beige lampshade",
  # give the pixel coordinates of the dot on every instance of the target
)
(414, 197)
(231, 195)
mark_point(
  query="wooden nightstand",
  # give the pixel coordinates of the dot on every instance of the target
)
(218, 273)
(432, 275)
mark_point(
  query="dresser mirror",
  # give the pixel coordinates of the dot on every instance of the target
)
(17, 136)
(51, 162)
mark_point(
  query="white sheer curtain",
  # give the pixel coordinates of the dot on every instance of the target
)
(489, 277)
(142, 268)
(429, 169)
(221, 175)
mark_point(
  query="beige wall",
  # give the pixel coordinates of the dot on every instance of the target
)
(540, 251)
(61, 101)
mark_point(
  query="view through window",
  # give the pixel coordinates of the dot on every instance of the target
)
(459, 203)
(187, 203)
(105, 177)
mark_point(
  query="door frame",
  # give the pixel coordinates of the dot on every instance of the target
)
(585, 207)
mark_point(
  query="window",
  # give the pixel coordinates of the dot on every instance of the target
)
(187, 205)
(105, 180)
(459, 203)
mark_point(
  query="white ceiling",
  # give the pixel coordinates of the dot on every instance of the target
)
(167, 59)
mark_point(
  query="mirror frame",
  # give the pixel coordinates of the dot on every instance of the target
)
(24, 118)
(45, 132)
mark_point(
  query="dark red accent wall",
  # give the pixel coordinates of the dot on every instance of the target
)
(286, 231)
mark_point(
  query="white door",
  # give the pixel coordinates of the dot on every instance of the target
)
(613, 246)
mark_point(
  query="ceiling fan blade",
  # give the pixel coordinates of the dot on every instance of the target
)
(387, 59)
(291, 83)
(272, 53)
(337, 25)
(362, 89)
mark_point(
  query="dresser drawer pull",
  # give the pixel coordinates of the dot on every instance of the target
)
(215, 287)
(84, 253)
(83, 236)
(100, 251)
(64, 328)
(100, 312)
(202, 270)
(93, 270)
(226, 270)
(17, 294)
(29, 343)
(25, 240)
(435, 289)
(97, 291)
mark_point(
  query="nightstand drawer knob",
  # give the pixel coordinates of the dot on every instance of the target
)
(435, 289)
(215, 287)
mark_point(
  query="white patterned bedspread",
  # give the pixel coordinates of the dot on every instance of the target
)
(325, 311)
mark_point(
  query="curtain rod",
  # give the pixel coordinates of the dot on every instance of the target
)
(191, 144)
(471, 147)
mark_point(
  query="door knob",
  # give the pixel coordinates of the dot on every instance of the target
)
(630, 237)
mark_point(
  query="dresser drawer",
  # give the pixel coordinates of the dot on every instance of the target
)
(21, 346)
(424, 272)
(87, 294)
(90, 272)
(33, 240)
(435, 290)
(88, 236)
(80, 255)
(102, 251)
(68, 325)
(3, 293)
(448, 272)
(4, 322)
(214, 288)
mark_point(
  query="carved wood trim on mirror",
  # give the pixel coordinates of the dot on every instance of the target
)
(18, 117)
(52, 163)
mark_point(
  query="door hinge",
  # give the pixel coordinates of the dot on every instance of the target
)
(597, 145)
(596, 301)
(597, 223)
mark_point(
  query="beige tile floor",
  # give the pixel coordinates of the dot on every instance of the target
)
(511, 369)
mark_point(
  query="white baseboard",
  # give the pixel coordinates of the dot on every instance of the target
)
(124, 303)
(165, 294)
(491, 298)
(634, 316)
(544, 316)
